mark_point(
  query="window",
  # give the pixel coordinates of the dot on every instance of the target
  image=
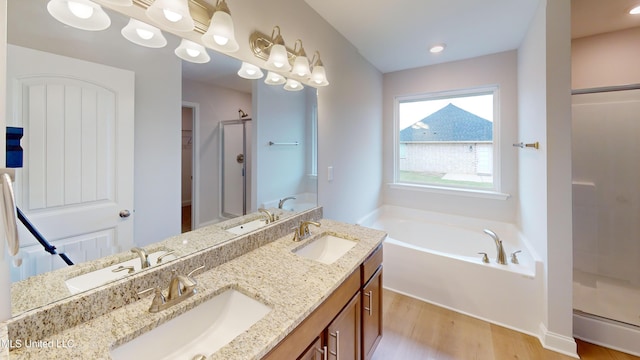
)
(447, 139)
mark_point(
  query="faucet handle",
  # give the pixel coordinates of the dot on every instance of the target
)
(158, 299)
(194, 270)
(161, 257)
(130, 269)
(485, 257)
(514, 257)
(296, 234)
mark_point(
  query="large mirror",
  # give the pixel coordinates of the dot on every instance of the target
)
(95, 188)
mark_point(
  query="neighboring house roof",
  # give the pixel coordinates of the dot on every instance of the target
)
(450, 123)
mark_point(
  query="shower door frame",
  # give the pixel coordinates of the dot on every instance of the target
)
(592, 327)
(242, 122)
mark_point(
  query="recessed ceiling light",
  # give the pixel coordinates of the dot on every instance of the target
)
(437, 48)
(635, 10)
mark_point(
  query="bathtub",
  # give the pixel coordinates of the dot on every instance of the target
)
(434, 257)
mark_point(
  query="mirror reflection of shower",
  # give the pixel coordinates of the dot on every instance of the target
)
(235, 165)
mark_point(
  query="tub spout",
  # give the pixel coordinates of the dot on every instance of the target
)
(501, 257)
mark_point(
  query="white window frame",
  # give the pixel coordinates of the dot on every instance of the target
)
(495, 192)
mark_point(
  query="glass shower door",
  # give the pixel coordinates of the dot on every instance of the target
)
(606, 204)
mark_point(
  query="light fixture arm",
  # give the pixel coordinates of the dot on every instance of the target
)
(316, 61)
(221, 5)
(299, 52)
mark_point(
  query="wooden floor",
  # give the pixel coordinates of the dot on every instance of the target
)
(415, 330)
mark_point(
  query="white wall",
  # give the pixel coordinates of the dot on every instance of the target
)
(215, 104)
(617, 52)
(157, 113)
(500, 69)
(544, 212)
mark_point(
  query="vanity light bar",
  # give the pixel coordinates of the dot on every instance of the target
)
(201, 12)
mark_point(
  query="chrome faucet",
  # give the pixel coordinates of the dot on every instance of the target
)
(181, 287)
(144, 257)
(270, 217)
(302, 232)
(501, 257)
(281, 202)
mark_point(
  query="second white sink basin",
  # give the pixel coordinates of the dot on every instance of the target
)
(200, 331)
(326, 249)
(247, 227)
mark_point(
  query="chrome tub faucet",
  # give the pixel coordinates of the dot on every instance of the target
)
(501, 257)
(282, 201)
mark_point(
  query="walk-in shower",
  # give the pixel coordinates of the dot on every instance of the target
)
(606, 216)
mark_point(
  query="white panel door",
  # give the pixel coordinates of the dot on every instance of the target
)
(78, 148)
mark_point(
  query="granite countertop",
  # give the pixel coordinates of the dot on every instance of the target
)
(291, 285)
(46, 288)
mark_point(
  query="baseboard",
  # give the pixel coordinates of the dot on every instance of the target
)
(559, 343)
(607, 333)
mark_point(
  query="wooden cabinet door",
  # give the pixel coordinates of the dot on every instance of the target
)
(372, 314)
(343, 334)
(314, 352)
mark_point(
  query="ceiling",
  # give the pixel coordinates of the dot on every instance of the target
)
(396, 35)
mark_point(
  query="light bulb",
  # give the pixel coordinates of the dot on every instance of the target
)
(193, 52)
(293, 85)
(82, 11)
(278, 59)
(171, 15)
(220, 40)
(274, 79)
(437, 48)
(251, 72)
(144, 34)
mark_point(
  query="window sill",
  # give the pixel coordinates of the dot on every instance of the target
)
(451, 191)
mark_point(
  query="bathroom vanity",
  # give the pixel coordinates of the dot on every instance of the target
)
(313, 308)
(347, 325)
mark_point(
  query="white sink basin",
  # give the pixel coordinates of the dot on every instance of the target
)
(100, 277)
(200, 331)
(326, 249)
(247, 227)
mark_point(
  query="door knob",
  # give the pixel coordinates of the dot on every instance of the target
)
(125, 214)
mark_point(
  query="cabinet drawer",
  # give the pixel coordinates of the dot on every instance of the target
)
(372, 263)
